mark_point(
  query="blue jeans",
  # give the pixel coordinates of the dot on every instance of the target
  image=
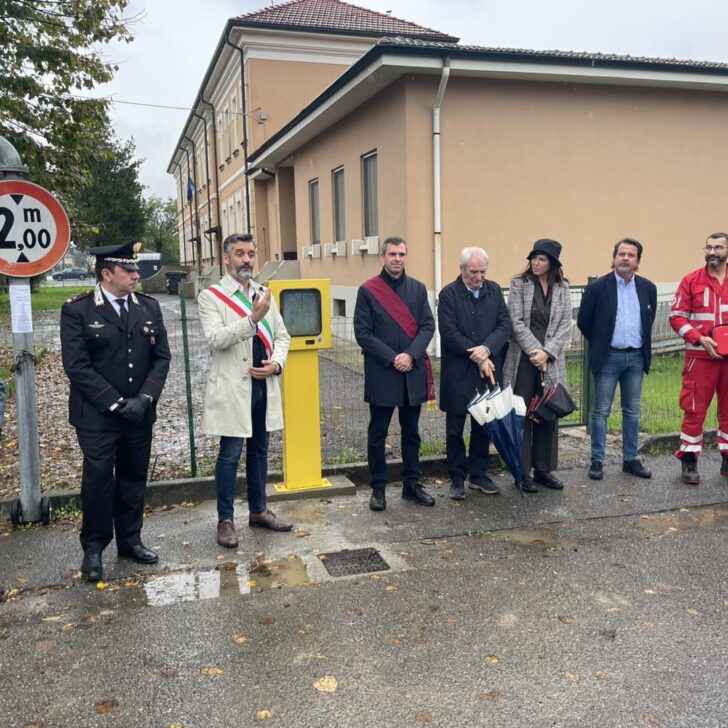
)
(625, 368)
(256, 466)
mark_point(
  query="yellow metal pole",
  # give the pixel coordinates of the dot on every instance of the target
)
(302, 431)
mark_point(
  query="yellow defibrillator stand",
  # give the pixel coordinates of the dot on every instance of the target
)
(306, 310)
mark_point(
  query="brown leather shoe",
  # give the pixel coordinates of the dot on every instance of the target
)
(226, 534)
(268, 519)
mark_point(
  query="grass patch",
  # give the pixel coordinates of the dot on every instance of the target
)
(71, 511)
(46, 298)
(432, 447)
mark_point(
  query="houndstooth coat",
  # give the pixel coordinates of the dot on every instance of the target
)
(558, 332)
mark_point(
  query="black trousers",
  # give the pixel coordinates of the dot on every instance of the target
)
(478, 458)
(380, 417)
(540, 442)
(112, 486)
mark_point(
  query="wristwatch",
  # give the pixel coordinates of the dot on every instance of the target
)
(279, 368)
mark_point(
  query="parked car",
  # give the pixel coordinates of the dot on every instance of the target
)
(69, 273)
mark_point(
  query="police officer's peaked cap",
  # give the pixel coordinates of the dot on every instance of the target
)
(123, 255)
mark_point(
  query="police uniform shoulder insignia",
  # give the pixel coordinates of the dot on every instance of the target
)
(79, 297)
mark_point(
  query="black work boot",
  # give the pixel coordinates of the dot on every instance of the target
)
(377, 500)
(457, 488)
(724, 465)
(415, 492)
(690, 473)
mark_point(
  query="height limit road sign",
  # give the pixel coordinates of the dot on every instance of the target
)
(34, 229)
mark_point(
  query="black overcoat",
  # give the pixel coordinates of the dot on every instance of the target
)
(464, 322)
(104, 362)
(381, 339)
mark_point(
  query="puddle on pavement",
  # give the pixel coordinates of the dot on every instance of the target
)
(224, 581)
(659, 524)
(543, 538)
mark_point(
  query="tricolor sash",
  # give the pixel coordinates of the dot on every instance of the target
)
(242, 306)
(388, 299)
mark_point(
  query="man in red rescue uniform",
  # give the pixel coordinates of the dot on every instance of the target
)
(700, 304)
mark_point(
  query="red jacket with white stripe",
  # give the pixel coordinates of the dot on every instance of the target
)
(700, 303)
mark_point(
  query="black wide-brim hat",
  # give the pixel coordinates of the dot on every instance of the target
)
(546, 246)
(123, 255)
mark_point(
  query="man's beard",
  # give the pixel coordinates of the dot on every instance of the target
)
(242, 273)
(715, 260)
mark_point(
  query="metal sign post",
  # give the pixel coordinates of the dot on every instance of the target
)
(34, 235)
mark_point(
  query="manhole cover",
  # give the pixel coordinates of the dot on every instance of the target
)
(355, 561)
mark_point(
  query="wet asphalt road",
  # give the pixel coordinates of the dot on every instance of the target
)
(603, 605)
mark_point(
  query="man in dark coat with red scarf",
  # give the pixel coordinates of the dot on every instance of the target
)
(393, 324)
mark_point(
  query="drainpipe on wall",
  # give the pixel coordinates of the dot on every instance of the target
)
(244, 110)
(218, 232)
(207, 176)
(197, 238)
(437, 204)
(182, 197)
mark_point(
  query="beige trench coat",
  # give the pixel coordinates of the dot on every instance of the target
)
(229, 384)
(558, 331)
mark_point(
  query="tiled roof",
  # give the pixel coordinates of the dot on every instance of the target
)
(544, 55)
(337, 16)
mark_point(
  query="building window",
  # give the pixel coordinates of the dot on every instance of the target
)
(226, 132)
(371, 205)
(339, 307)
(235, 123)
(339, 204)
(220, 138)
(313, 201)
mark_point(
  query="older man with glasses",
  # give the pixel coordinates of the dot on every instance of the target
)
(699, 309)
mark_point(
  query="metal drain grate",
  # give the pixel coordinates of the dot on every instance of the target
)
(355, 561)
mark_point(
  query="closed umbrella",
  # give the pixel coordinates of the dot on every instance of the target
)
(502, 413)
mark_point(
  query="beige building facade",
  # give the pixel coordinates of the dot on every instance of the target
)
(450, 146)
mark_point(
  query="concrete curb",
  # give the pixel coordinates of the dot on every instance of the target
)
(671, 441)
(170, 492)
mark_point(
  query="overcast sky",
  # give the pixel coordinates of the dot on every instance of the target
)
(175, 39)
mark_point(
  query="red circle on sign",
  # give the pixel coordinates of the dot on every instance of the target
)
(58, 246)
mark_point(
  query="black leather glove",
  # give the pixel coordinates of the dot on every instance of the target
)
(135, 409)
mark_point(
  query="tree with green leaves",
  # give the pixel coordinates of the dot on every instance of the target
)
(160, 232)
(49, 54)
(111, 210)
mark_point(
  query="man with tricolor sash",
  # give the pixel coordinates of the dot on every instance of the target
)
(393, 325)
(249, 345)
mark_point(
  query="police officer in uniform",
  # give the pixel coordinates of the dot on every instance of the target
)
(116, 356)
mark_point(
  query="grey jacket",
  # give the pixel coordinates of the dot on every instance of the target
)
(558, 331)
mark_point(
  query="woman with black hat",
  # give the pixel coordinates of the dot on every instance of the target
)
(539, 302)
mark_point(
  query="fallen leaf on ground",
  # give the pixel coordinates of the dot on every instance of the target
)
(32, 725)
(492, 659)
(394, 641)
(376, 577)
(268, 620)
(221, 557)
(101, 585)
(302, 534)
(601, 674)
(323, 557)
(693, 612)
(492, 696)
(23, 581)
(650, 591)
(521, 582)
(648, 625)
(572, 676)
(391, 588)
(320, 656)
(176, 725)
(262, 714)
(106, 706)
(239, 639)
(326, 684)
(229, 566)
(211, 671)
(566, 619)
(424, 716)
(54, 618)
(652, 719)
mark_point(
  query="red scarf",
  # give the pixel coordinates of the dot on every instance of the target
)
(390, 301)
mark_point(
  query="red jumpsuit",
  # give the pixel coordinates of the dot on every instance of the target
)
(700, 303)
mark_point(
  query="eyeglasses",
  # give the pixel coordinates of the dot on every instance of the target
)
(714, 248)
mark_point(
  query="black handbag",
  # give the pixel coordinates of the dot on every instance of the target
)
(552, 405)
